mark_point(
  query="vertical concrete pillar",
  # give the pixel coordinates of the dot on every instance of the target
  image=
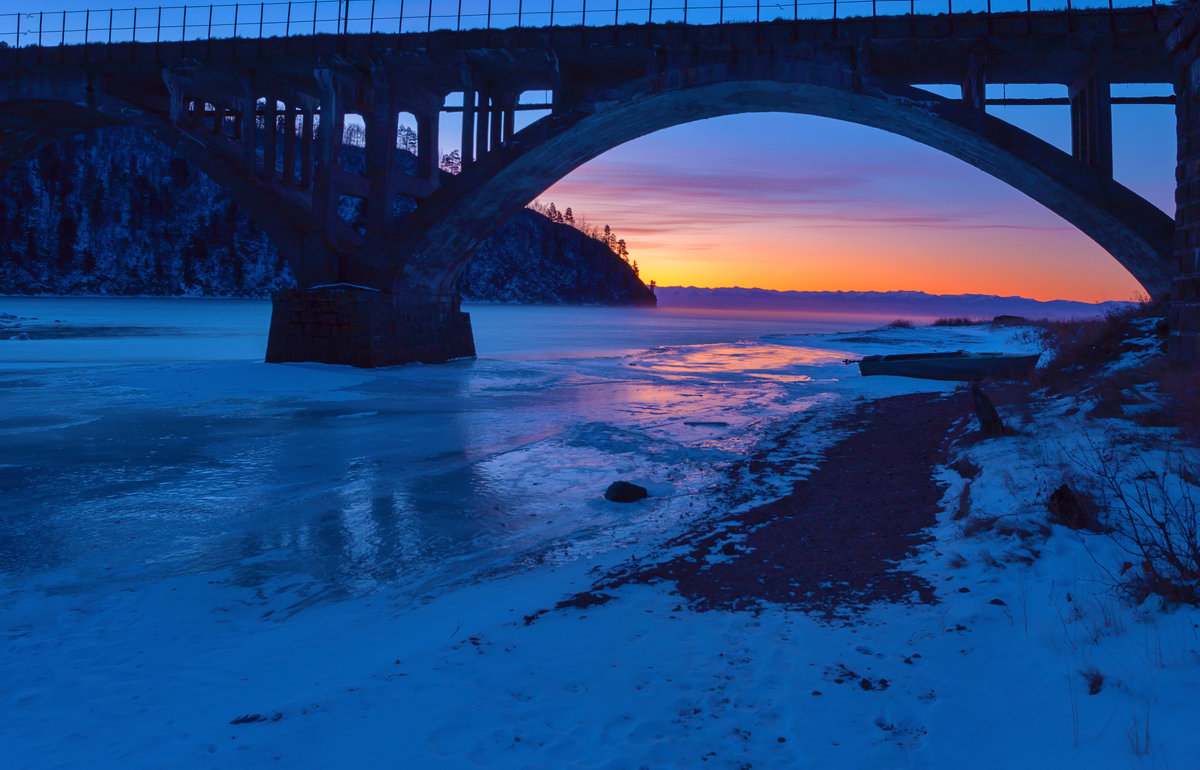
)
(1091, 122)
(289, 144)
(510, 119)
(270, 138)
(496, 136)
(482, 113)
(326, 191)
(468, 128)
(1183, 313)
(382, 121)
(306, 147)
(246, 128)
(974, 85)
(427, 145)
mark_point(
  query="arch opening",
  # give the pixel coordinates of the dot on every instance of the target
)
(454, 220)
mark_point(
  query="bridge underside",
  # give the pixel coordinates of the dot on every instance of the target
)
(265, 119)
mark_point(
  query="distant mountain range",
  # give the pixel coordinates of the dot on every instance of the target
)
(916, 304)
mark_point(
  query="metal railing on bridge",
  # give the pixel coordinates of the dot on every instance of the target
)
(345, 17)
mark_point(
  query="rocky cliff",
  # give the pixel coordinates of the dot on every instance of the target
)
(112, 212)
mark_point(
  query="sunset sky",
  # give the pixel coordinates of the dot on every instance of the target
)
(798, 202)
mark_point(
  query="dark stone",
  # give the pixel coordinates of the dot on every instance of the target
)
(989, 419)
(624, 492)
(1072, 510)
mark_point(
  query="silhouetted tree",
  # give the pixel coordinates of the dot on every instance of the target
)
(452, 162)
(406, 139)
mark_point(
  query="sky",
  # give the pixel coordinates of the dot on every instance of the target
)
(799, 202)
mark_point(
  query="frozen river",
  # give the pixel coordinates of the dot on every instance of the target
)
(145, 436)
(147, 453)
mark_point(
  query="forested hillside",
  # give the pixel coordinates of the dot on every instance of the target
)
(113, 212)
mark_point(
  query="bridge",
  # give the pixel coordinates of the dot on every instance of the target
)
(263, 115)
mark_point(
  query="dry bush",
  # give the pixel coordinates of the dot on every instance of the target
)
(956, 322)
(1154, 517)
(1093, 679)
(1081, 347)
(901, 323)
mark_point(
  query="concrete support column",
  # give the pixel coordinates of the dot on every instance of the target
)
(1091, 122)
(270, 138)
(427, 146)
(306, 147)
(496, 137)
(327, 168)
(289, 144)
(482, 113)
(246, 125)
(382, 121)
(468, 128)
(367, 328)
(510, 119)
(974, 85)
(1183, 313)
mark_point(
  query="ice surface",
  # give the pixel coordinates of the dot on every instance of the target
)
(340, 561)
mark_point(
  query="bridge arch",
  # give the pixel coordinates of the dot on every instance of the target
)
(438, 239)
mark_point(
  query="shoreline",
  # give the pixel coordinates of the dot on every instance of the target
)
(808, 550)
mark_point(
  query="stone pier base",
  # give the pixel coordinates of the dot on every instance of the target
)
(343, 324)
(1183, 321)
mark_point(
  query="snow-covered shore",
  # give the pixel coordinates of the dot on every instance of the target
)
(224, 563)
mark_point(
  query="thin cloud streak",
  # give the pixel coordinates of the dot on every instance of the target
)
(788, 204)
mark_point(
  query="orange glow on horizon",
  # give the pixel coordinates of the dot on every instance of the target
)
(789, 202)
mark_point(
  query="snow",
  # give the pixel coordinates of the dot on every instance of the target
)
(207, 561)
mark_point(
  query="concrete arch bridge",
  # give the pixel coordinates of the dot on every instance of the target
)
(265, 118)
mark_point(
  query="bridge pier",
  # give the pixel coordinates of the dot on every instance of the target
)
(1183, 314)
(344, 324)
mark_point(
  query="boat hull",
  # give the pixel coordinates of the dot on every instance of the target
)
(950, 366)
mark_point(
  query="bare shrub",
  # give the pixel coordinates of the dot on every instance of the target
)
(956, 322)
(1093, 679)
(1153, 516)
(1081, 346)
(901, 323)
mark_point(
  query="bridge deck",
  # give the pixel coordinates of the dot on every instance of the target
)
(1020, 47)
